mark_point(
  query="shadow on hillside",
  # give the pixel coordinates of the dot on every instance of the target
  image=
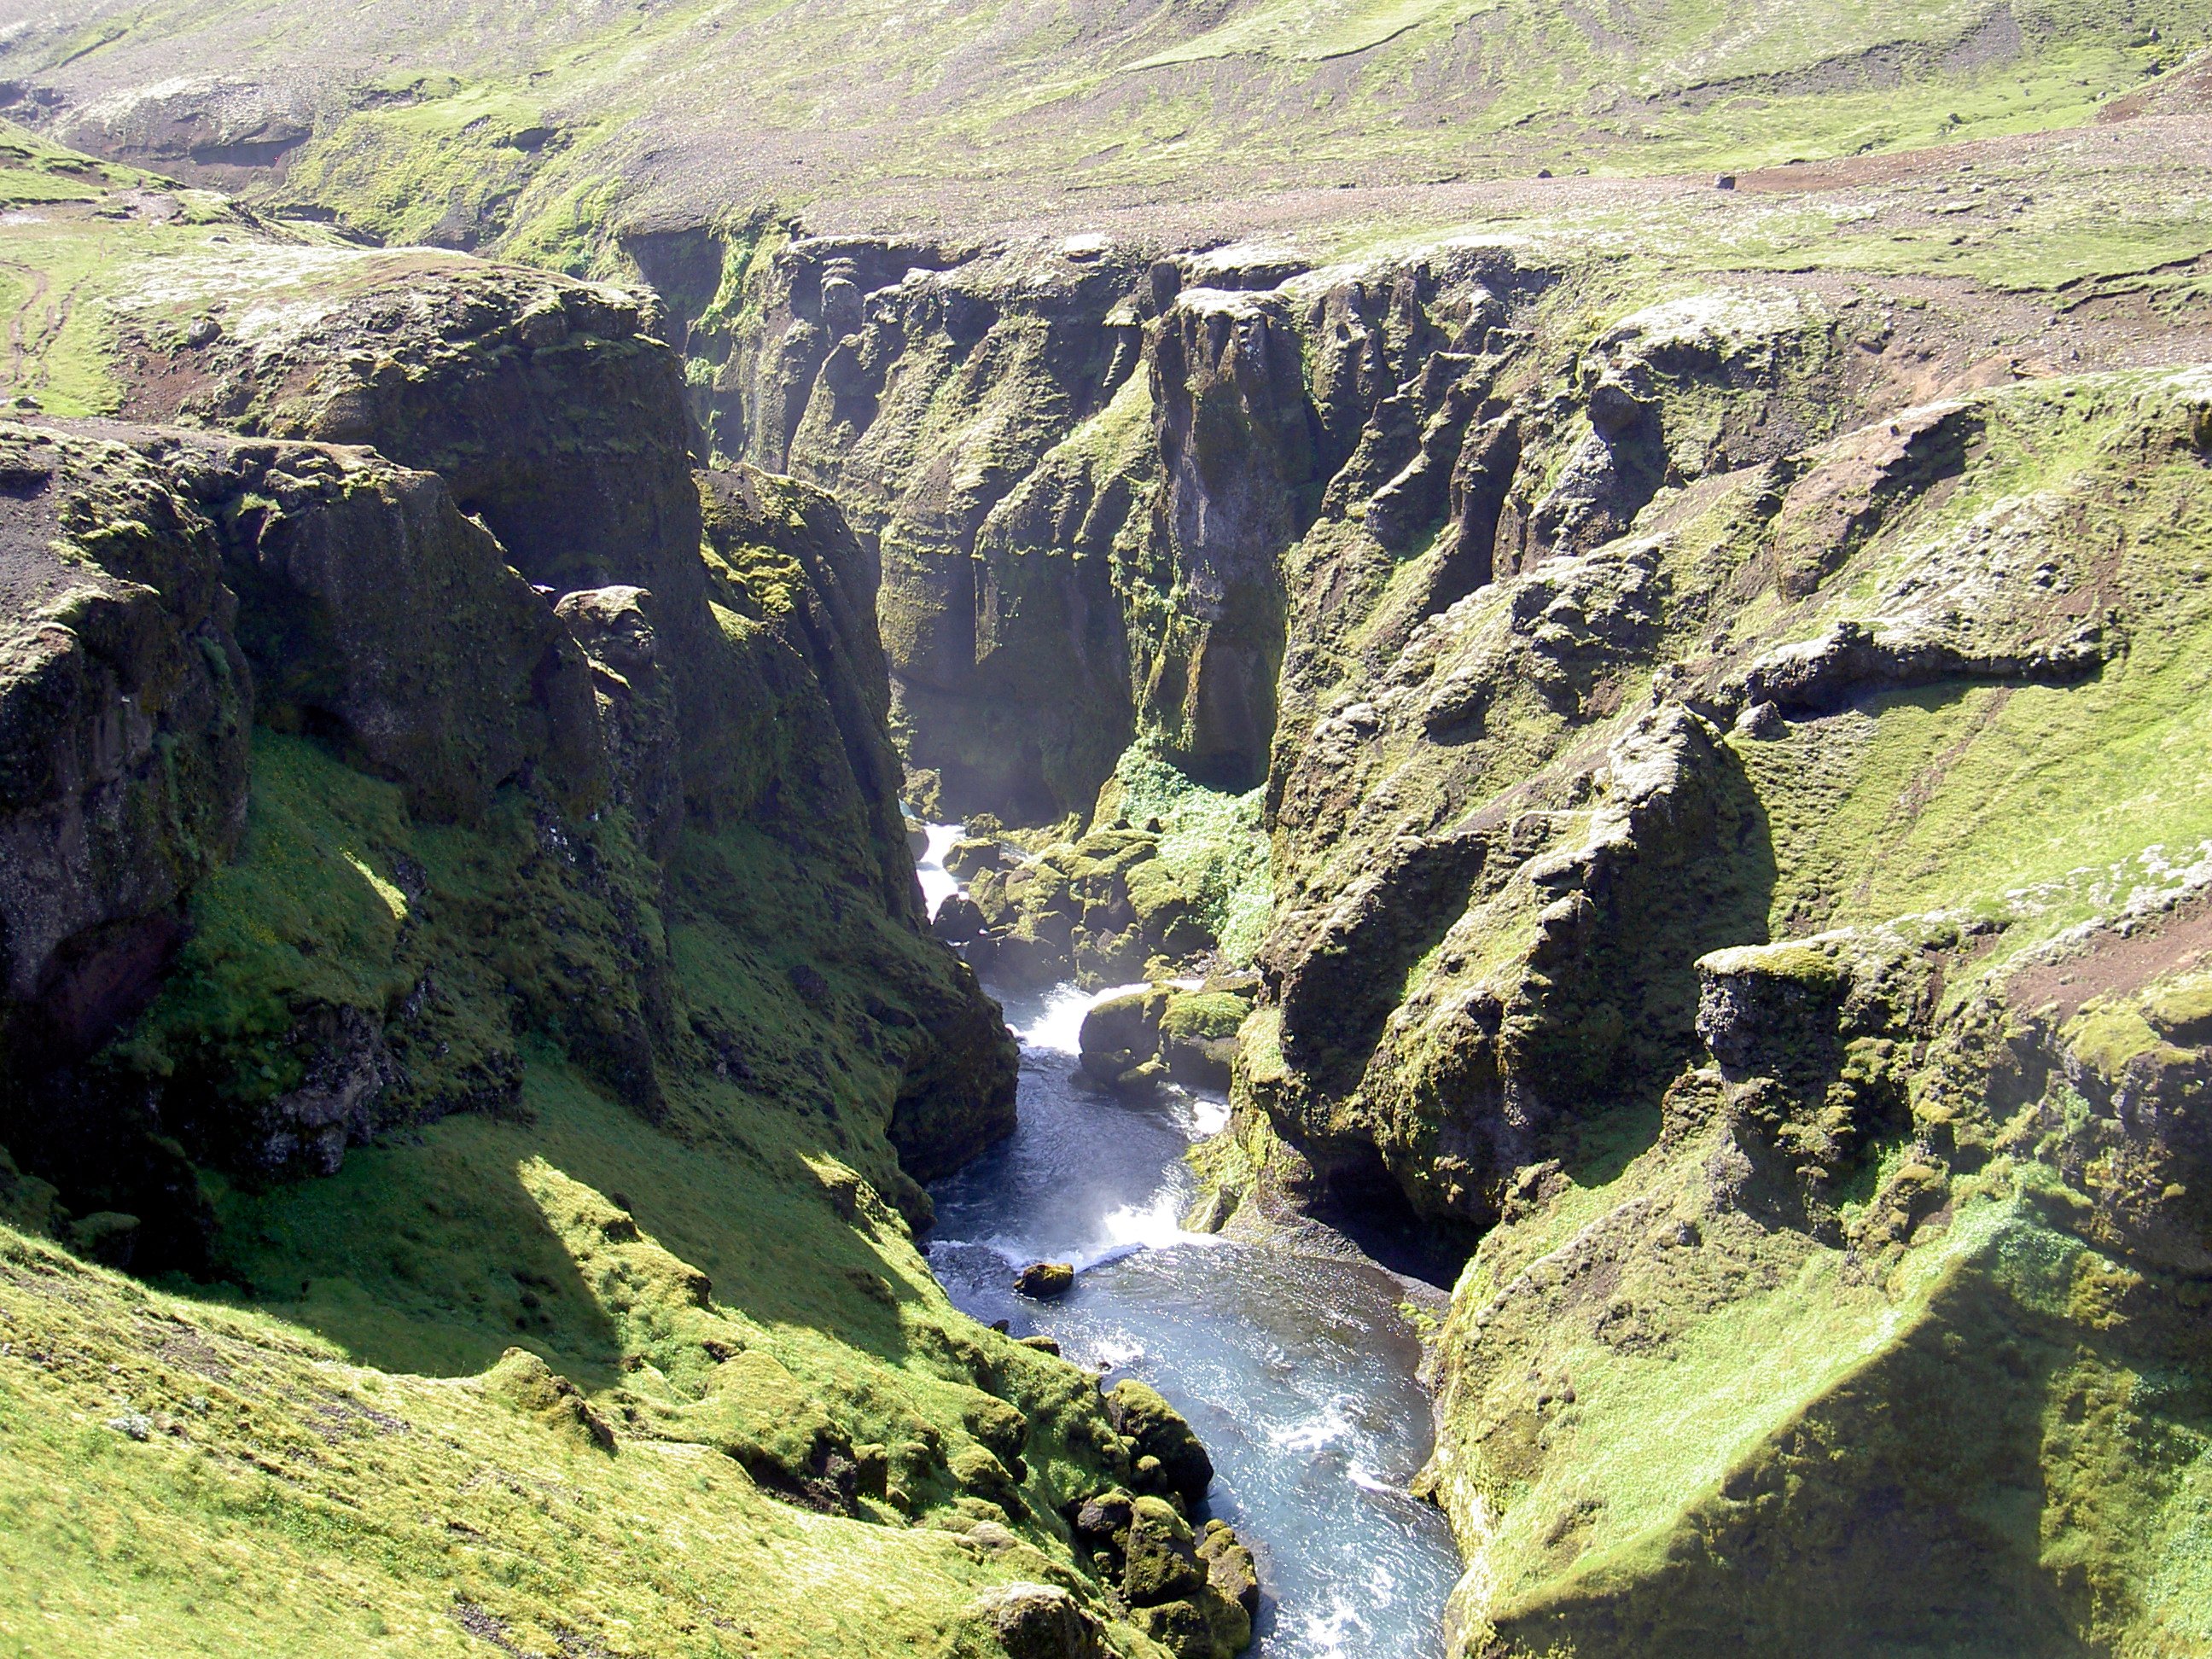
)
(431, 1257)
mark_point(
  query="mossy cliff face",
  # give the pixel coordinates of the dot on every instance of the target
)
(1082, 468)
(1703, 720)
(922, 385)
(463, 944)
(1905, 694)
(127, 705)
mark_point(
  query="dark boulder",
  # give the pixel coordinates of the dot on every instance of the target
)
(1045, 1281)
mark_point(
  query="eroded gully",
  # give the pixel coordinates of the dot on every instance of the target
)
(1297, 1370)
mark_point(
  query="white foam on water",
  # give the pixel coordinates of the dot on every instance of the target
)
(1208, 1116)
(1059, 1027)
(1367, 1480)
(1332, 1633)
(1325, 1428)
(938, 883)
(1150, 1225)
(1107, 1351)
(1155, 1224)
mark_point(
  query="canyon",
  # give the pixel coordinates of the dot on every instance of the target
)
(1590, 645)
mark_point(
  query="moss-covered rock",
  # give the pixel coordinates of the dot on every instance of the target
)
(1045, 1280)
(1158, 1431)
(124, 706)
(1141, 1040)
(619, 1057)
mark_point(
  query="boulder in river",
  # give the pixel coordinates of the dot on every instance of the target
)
(1045, 1280)
(1230, 1567)
(1120, 1040)
(1198, 1032)
(1135, 1042)
(1138, 1412)
(1193, 1595)
(957, 920)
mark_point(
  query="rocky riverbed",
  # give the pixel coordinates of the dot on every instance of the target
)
(1296, 1370)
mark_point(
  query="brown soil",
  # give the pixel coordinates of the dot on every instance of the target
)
(2115, 965)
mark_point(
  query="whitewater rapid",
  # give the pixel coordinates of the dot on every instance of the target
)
(1297, 1371)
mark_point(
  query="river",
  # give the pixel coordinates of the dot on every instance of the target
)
(1295, 1370)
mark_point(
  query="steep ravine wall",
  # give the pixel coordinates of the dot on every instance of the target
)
(1726, 748)
(1736, 865)
(462, 943)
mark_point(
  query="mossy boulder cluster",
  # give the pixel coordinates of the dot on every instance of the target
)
(1179, 1033)
(1100, 910)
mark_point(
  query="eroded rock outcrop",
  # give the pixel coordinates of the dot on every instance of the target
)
(353, 792)
(353, 608)
(127, 701)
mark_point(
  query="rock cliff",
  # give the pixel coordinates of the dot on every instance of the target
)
(1676, 691)
(1690, 732)
(456, 904)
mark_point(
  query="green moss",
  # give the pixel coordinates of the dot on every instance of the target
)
(1808, 965)
(1200, 1016)
(2181, 1007)
(1212, 851)
(2108, 1036)
(286, 1500)
(452, 168)
(301, 917)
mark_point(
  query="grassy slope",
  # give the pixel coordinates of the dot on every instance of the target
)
(275, 1519)
(540, 127)
(310, 1474)
(2029, 810)
(292, 1500)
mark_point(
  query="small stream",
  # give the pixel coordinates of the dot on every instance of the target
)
(1297, 1371)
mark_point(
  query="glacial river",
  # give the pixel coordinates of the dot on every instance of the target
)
(1297, 1371)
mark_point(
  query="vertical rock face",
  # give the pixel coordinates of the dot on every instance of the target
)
(636, 704)
(125, 701)
(820, 586)
(554, 417)
(1088, 472)
(935, 391)
(1239, 448)
(1582, 661)
(380, 615)
(377, 614)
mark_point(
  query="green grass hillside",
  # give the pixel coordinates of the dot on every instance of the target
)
(529, 122)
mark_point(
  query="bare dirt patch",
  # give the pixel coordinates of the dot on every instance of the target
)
(2116, 964)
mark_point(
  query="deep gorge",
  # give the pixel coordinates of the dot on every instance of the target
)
(1502, 722)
